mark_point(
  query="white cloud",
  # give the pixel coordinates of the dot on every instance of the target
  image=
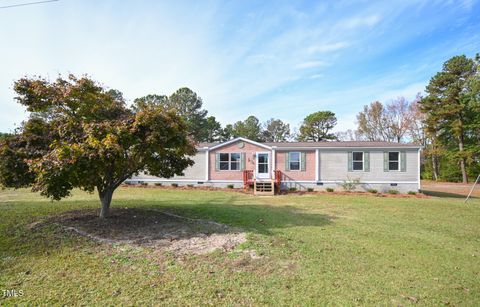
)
(260, 58)
(316, 76)
(324, 48)
(467, 4)
(409, 91)
(346, 122)
(311, 64)
(358, 22)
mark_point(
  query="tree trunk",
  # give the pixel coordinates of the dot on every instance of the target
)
(462, 161)
(105, 199)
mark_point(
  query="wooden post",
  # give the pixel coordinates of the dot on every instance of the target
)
(471, 191)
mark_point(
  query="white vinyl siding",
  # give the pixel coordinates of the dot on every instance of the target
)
(194, 172)
(333, 164)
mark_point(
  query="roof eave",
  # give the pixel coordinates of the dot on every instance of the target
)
(240, 139)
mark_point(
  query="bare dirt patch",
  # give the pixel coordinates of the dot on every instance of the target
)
(161, 230)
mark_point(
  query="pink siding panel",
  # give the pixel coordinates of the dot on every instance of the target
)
(249, 149)
(307, 175)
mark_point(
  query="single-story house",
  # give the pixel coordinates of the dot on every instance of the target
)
(239, 162)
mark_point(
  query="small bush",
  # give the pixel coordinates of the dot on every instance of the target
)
(158, 184)
(373, 191)
(394, 192)
(175, 185)
(292, 189)
(190, 185)
(230, 186)
(350, 184)
(412, 193)
(309, 189)
(330, 189)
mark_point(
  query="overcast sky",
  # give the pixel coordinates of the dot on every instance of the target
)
(268, 59)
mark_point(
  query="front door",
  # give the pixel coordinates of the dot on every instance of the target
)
(263, 169)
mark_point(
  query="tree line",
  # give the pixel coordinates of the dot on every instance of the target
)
(445, 121)
(204, 128)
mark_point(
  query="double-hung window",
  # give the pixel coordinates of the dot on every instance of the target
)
(357, 160)
(393, 161)
(230, 161)
(294, 160)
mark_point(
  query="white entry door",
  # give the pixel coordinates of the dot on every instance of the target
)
(263, 165)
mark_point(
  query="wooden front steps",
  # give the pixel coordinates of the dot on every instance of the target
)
(263, 187)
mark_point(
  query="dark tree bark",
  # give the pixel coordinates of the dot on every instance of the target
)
(105, 199)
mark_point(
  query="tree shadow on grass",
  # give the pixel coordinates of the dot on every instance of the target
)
(140, 221)
(256, 218)
(445, 194)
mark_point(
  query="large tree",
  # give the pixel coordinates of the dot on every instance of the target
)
(227, 133)
(451, 107)
(82, 135)
(390, 122)
(317, 127)
(399, 119)
(250, 128)
(416, 130)
(4, 135)
(189, 106)
(276, 130)
(372, 124)
(213, 130)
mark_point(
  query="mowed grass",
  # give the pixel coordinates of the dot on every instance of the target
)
(316, 249)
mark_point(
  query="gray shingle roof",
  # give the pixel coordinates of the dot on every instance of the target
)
(339, 144)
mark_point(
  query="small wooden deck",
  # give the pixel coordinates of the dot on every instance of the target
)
(262, 187)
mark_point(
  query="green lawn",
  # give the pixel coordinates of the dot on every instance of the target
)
(317, 249)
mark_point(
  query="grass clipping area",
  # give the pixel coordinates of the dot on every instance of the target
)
(160, 230)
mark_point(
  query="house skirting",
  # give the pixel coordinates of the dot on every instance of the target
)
(380, 186)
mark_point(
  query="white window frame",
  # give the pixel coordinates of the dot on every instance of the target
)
(399, 158)
(230, 161)
(363, 161)
(299, 161)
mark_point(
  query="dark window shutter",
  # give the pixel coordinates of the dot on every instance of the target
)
(303, 161)
(385, 161)
(403, 161)
(217, 162)
(242, 161)
(366, 159)
(287, 161)
(350, 161)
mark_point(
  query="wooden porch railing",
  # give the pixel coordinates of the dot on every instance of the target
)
(248, 178)
(278, 178)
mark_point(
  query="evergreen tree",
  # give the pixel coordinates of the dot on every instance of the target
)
(451, 109)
